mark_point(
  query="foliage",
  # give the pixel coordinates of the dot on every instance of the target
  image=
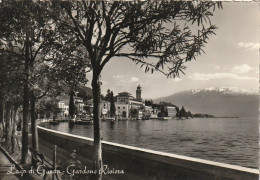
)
(112, 104)
(71, 105)
(183, 112)
(47, 106)
(85, 93)
(148, 102)
(106, 28)
(133, 112)
(69, 37)
(199, 115)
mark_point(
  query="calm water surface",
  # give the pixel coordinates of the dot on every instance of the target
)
(227, 140)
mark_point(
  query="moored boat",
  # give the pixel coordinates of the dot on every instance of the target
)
(54, 122)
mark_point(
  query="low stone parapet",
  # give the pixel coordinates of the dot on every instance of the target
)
(149, 164)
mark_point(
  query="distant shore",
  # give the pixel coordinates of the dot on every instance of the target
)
(227, 117)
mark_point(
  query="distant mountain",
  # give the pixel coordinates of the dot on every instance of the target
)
(217, 101)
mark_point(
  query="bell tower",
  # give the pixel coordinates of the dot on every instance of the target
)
(138, 93)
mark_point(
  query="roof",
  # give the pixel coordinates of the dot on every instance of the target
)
(124, 94)
(102, 101)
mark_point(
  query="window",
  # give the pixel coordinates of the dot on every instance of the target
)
(123, 107)
(118, 107)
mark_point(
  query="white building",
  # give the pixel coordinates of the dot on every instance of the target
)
(63, 105)
(171, 111)
(125, 102)
(64, 108)
(104, 107)
(122, 109)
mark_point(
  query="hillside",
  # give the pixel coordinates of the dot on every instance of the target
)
(217, 101)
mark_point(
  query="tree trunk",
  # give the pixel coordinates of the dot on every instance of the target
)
(14, 128)
(25, 107)
(2, 116)
(8, 126)
(34, 127)
(71, 105)
(97, 154)
(25, 125)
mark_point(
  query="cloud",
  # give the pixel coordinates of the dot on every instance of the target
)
(206, 77)
(117, 76)
(134, 79)
(249, 45)
(176, 79)
(217, 67)
(241, 69)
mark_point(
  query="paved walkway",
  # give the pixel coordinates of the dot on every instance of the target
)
(5, 165)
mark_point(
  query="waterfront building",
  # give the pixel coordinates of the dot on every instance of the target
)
(148, 110)
(63, 105)
(79, 104)
(165, 109)
(171, 111)
(124, 97)
(104, 108)
(64, 108)
(122, 109)
(126, 103)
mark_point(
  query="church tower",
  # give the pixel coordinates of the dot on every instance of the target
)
(138, 93)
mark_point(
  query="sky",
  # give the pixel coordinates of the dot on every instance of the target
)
(231, 59)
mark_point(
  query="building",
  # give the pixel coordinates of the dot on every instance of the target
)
(171, 111)
(63, 105)
(64, 108)
(139, 93)
(122, 109)
(165, 109)
(126, 104)
(79, 104)
(104, 108)
(124, 97)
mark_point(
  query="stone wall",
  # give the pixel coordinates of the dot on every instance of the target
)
(148, 164)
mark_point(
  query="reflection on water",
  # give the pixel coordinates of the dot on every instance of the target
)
(232, 141)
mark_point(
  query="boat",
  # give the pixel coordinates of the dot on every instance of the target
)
(164, 118)
(112, 121)
(145, 118)
(54, 122)
(72, 121)
(84, 122)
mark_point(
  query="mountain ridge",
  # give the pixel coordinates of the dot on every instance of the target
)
(217, 101)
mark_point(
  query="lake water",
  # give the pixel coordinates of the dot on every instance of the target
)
(228, 140)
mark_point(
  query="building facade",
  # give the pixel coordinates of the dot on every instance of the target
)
(128, 106)
(63, 105)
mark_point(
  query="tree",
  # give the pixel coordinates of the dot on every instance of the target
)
(148, 102)
(149, 33)
(183, 112)
(31, 32)
(133, 112)
(71, 106)
(177, 112)
(112, 105)
(10, 97)
(85, 93)
(108, 95)
(69, 66)
(189, 114)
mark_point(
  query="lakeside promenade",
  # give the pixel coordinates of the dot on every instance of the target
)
(63, 155)
(5, 165)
